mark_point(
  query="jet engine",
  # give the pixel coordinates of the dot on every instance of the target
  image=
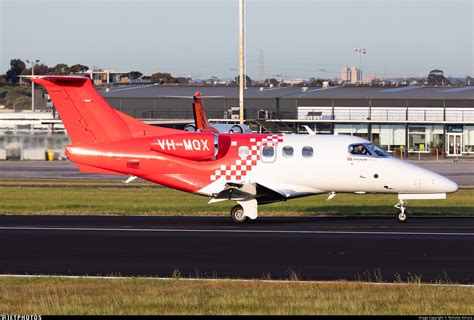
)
(223, 128)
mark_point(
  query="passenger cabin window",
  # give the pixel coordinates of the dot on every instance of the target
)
(288, 151)
(307, 152)
(243, 151)
(268, 152)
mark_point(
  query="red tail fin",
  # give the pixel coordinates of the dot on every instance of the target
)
(200, 118)
(88, 118)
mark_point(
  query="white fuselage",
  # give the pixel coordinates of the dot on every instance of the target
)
(333, 168)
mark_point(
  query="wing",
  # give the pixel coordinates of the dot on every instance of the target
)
(240, 192)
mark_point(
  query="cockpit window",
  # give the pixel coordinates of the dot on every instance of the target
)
(380, 152)
(368, 149)
(360, 149)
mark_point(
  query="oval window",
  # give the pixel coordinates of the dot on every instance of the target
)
(307, 152)
(288, 151)
(268, 152)
(244, 151)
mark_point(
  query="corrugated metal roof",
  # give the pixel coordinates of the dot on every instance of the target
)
(428, 93)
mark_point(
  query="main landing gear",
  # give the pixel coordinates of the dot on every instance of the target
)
(244, 210)
(237, 214)
(402, 214)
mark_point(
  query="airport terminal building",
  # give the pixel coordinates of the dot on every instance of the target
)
(411, 120)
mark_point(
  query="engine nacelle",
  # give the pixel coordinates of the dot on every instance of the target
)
(190, 127)
(192, 146)
(223, 128)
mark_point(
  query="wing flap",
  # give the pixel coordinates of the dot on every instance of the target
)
(240, 192)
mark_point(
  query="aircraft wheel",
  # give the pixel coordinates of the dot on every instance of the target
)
(402, 216)
(237, 214)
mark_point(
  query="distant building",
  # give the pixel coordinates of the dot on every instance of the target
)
(292, 81)
(350, 75)
(345, 74)
(412, 120)
(103, 76)
(356, 75)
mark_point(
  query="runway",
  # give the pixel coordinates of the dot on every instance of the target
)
(315, 248)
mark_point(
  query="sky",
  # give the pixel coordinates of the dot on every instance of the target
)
(299, 38)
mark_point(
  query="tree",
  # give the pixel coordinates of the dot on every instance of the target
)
(162, 77)
(78, 68)
(134, 75)
(271, 81)
(159, 77)
(16, 68)
(436, 77)
(60, 68)
(39, 69)
(248, 81)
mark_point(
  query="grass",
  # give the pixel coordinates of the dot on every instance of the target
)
(109, 198)
(54, 295)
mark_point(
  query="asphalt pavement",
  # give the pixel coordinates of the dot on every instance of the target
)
(310, 248)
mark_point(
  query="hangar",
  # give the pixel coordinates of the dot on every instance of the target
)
(412, 121)
(404, 120)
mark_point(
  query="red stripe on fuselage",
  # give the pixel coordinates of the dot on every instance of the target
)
(173, 172)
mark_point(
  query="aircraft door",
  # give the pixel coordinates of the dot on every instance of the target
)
(358, 161)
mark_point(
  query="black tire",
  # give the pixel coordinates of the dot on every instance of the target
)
(237, 214)
(402, 217)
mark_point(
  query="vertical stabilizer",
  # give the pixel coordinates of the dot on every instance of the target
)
(200, 118)
(88, 118)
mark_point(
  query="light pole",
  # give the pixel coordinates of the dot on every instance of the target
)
(245, 83)
(33, 63)
(361, 51)
(242, 82)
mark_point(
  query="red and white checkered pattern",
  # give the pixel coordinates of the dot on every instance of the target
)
(238, 170)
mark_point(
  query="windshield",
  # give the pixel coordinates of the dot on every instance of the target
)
(379, 151)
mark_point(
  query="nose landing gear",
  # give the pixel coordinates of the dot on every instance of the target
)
(402, 215)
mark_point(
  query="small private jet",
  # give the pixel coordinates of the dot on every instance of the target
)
(251, 169)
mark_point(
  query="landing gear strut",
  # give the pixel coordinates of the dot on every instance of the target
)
(237, 214)
(402, 214)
